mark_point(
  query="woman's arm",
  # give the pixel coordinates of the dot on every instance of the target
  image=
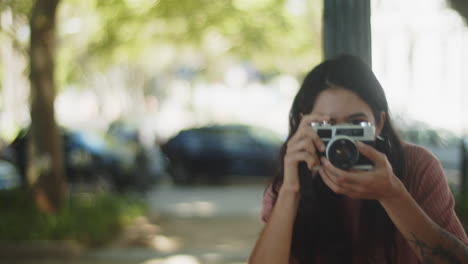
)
(430, 242)
(274, 243)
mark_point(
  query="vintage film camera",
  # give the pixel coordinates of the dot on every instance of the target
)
(340, 142)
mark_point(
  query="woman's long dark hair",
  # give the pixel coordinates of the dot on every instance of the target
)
(320, 225)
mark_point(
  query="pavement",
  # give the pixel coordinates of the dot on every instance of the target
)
(212, 224)
(200, 224)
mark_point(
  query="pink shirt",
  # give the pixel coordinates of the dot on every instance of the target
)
(426, 182)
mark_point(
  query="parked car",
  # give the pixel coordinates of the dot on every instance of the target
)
(444, 144)
(9, 175)
(90, 159)
(148, 161)
(221, 150)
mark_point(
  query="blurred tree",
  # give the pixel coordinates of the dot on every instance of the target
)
(14, 87)
(95, 35)
(276, 35)
(18, 7)
(461, 6)
(115, 47)
(45, 147)
(267, 32)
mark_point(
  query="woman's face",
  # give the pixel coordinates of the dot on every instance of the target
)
(343, 106)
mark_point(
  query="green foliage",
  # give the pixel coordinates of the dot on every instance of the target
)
(461, 208)
(91, 219)
(184, 22)
(19, 7)
(93, 35)
(118, 31)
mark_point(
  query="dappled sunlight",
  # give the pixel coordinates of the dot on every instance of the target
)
(212, 257)
(207, 258)
(196, 208)
(177, 259)
(165, 244)
(141, 232)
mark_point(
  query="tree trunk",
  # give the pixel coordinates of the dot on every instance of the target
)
(461, 6)
(347, 29)
(46, 166)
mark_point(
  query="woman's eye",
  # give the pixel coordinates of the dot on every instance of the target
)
(357, 122)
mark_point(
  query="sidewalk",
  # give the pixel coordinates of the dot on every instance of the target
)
(190, 225)
(194, 225)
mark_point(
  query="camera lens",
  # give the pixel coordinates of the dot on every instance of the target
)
(342, 152)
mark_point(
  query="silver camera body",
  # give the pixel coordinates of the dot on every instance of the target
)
(340, 141)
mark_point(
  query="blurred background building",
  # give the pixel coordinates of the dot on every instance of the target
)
(419, 55)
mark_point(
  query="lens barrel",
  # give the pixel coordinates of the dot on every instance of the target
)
(342, 152)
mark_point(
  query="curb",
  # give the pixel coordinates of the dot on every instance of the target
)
(40, 249)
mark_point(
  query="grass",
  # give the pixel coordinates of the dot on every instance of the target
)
(90, 219)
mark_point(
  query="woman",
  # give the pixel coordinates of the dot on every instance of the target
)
(400, 211)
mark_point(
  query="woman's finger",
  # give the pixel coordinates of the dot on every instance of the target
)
(338, 186)
(328, 180)
(309, 118)
(305, 145)
(378, 158)
(295, 158)
(350, 177)
(310, 134)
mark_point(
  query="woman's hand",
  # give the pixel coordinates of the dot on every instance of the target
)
(380, 183)
(302, 146)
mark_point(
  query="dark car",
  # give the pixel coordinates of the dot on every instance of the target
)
(149, 164)
(9, 175)
(91, 160)
(444, 144)
(221, 150)
(88, 159)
